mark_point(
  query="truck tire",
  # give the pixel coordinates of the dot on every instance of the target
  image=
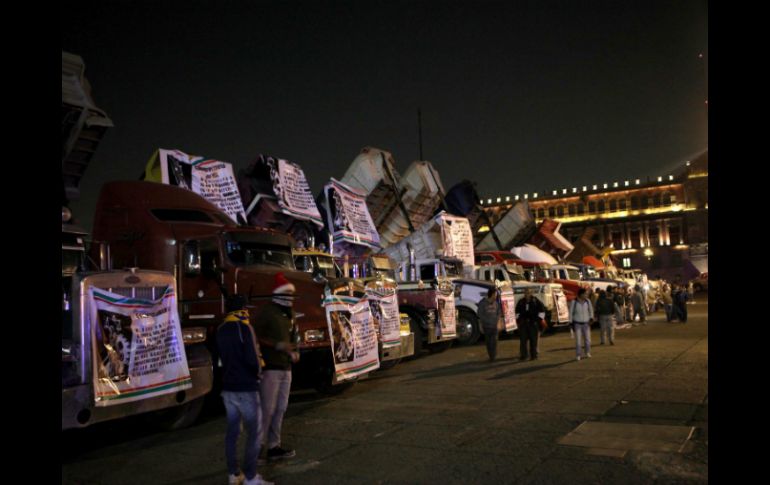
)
(416, 329)
(467, 327)
(439, 347)
(179, 417)
(322, 382)
(388, 364)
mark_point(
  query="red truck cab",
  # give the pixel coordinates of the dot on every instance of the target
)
(163, 227)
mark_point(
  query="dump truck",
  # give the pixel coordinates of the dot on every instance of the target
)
(123, 352)
(164, 227)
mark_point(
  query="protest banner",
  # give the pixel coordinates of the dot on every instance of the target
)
(508, 309)
(447, 318)
(348, 218)
(458, 239)
(353, 336)
(384, 307)
(137, 347)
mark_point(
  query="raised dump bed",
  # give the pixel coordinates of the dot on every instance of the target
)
(514, 229)
(392, 198)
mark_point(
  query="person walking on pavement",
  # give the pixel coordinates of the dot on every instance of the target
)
(605, 310)
(489, 314)
(239, 357)
(581, 314)
(668, 302)
(638, 303)
(274, 331)
(680, 303)
(529, 313)
(620, 305)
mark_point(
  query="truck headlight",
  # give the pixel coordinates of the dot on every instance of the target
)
(193, 335)
(314, 335)
(431, 316)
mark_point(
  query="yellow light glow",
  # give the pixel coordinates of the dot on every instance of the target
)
(648, 252)
(483, 229)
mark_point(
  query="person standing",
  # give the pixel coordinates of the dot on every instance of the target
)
(605, 310)
(239, 356)
(668, 302)
(274, 331)
(529, 313)
(680, 303)
(581, 314)
(489, 314)
(638, 303)
(620, 305)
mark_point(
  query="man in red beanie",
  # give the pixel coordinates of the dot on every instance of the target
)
(274, 332)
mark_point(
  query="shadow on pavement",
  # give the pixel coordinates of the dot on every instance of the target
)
(527, 370)
(463, 368)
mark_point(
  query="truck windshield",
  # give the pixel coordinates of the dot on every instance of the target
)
(591, 273)
(326, 265)
(572, 274)
(516, 276)
(245, 253)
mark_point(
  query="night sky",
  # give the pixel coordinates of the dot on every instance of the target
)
(519, 97)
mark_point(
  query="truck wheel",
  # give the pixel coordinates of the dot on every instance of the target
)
(388, 364)
(439, 347)
(179, 417)
(323, 382)
(414, 327)
(467, 327)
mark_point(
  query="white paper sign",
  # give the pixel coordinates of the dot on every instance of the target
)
(458, 239)
(293, 193)
(562, 309)
(213, 180)
(509, 309)
(447, 324)
(384, 308)
(348, 217)
(137, 348)
(353, 336)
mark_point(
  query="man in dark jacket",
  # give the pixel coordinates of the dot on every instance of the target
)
(489, 314)
(529, 313)
(275, 332)
(605, 309)
(239, 356)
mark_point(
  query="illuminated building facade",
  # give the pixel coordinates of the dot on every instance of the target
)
(659, 225)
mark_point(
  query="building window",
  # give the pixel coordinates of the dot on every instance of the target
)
(613, 205)
(617, 239)
(645, 202)
(622, 204)
(654, 236)
(634, 203)
(666, 198)
(674, 235)
(551, 212)
(656, 200)
(601, 205)
(571, 209)
(560, 211)
(541, 213)
(581, 209)
(592, 207)
(626, 262)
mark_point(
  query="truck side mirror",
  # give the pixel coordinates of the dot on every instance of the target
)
(191, 256)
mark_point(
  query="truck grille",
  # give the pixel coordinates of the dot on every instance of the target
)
(142, 292)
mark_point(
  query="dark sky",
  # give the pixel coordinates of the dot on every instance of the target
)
(517, 96)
